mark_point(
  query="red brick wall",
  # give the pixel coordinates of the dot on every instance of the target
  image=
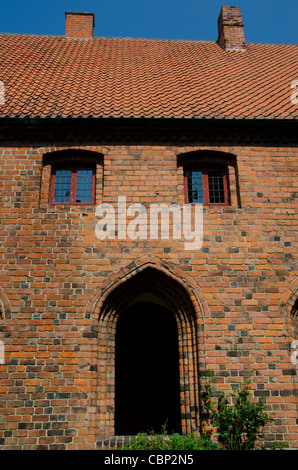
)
(55, 277)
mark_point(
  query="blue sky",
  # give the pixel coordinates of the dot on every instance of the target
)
(266, 21)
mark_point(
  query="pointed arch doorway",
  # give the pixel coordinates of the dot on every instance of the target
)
(147, 390)
(124, 312)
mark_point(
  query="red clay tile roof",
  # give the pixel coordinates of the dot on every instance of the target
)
(54, 76)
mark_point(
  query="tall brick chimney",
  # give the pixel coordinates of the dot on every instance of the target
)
(79, 25)
(231, 29)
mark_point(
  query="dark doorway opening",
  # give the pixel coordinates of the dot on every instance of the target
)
(147, 387)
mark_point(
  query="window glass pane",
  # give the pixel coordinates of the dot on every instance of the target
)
(194, 186)
(62, 186)
(216, 187)
(84, 186)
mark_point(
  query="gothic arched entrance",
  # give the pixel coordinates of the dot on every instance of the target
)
(123, 313)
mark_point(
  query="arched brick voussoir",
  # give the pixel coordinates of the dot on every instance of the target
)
(170, 271)
(88, 148)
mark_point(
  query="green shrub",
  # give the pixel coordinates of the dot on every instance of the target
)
(175, 441)
(240, 422)
(190, 442)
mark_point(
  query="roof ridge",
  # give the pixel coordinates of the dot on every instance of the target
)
(131, 38)
(106, 37)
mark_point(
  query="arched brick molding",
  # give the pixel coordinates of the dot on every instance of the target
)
(80, 148)
(182, 296)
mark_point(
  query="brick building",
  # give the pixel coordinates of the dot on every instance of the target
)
(103, 336)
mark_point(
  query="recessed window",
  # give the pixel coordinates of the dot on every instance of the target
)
(73, 186)
(208, 187)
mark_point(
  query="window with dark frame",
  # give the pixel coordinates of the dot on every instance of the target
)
(73, 185)
(206, 186)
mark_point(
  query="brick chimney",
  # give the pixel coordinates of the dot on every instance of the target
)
(231, 29)
(79, 25)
